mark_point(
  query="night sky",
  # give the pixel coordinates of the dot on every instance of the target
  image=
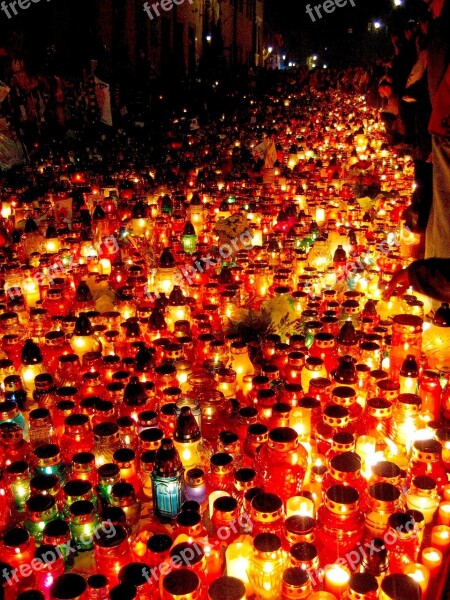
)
(339, 38)
(344, 32)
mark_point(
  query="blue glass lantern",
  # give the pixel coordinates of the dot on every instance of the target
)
(167, 481)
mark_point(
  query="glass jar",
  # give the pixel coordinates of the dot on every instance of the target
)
(335, 419)
(83, 467)
(362, 586)
(69, 586)
(168, 480)
(422, 496)
(220, 475)
(77, 436)
(9, 413)
(257, 436)
(68, 372)
(404, 548)
(48, 461)
(230, 588)
(430, 392)
(14, 392)
(229, 443)
(345, 469)
(376, 420)
(383, 499)
(18, 479)
(346, 396)
(264, 402)
(267, 514)
(427, 460)
(299, 529)
(40, 510)
(63, 409)
(41, 427)
(108, 476)
(83, 524)
(123, 496)
(398, 587)
(313, 369)
(281, 463)
(138, 575)
(75, 490)
(244, 479)
(45, 393)
(195, 489)
(324, 347)
(296, 584)
(57, 533)
(240, 363)
(406, 336)
(266, 566)
(48, 485)
(405, 420)
(182, 583)
(224, 518)
(17, 548)
(107, 441)
(98, 588)
(111, 552)
(340, 523)
(216, 410)
(304, 556)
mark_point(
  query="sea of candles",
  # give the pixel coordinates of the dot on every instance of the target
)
(204, 380)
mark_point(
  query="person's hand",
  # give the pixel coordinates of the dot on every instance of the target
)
(399, 283)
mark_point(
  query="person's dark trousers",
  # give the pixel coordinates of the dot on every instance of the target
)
(423, 194)
(407, 114)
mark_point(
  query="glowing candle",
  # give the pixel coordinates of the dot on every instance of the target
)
(446, 493)
(31, 292)
(237, 558)
(440, 537)
(336, 579)
(420, 574)
(365, 448)
(444, 513)
(320, 215)
(299, 506)
(432, 559)
(105, 266)
(300, 420)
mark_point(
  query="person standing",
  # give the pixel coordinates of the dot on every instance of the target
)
(437, 239)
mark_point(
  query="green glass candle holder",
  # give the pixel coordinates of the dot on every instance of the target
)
(40, 510)
(84, 523)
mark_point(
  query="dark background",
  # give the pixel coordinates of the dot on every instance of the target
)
(340, 39)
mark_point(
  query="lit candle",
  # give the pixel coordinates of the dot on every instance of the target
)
(320, 216)
(237, 557)
(440, 537)
(299, 506)
(300, 420)
(444, 513)
(365, 448)
(420, 574)
(446, 493)
(336, 579)
(432, 559)
(31, 292)
(105, 266)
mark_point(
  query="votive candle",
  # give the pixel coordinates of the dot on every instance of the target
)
(440, 537)
(432, 559)
(444, 513)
